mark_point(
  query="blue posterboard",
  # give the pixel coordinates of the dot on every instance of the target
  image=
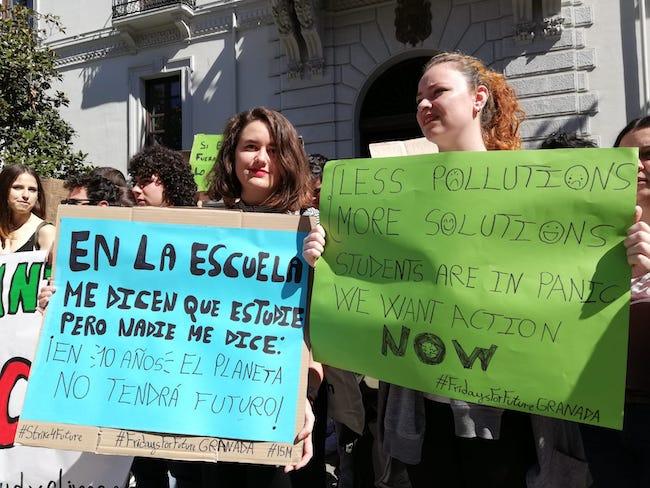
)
(183, 329)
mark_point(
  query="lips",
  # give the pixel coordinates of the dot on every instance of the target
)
(428, 118)
(258, 172)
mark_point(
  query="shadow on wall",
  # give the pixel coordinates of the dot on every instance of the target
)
(576, 123)
(630, 61)
(107, 81)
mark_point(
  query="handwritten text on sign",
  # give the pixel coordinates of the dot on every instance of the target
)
(20, 277)
(173, 328)
(203, 157)
(498, 277)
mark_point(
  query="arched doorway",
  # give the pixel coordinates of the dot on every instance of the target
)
(388, 109)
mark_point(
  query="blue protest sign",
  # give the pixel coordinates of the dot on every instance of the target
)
(176, 328)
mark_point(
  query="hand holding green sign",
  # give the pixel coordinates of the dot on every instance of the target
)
(498, 278)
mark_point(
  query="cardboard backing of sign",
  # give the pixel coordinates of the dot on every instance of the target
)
(402, 148)
(162, 445)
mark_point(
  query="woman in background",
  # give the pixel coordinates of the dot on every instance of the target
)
(22, 227)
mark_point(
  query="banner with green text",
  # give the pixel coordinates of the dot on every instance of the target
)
(498, 278)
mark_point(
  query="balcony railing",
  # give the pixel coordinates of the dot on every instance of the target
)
(122, 8)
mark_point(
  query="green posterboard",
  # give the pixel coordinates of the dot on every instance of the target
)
(498, 278)
(203, 156)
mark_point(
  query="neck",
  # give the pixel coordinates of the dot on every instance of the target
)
(18, 220)
(251, 201)
(470, 139)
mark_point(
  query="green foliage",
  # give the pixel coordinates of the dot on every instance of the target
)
(31, 130)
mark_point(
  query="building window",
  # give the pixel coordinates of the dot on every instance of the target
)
(163, 104)
(12, 3)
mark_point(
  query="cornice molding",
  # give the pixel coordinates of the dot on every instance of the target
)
(209, 21)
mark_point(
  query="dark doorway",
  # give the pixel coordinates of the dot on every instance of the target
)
(388, 109)
(163, 104)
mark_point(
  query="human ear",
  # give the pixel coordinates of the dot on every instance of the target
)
(481, 97)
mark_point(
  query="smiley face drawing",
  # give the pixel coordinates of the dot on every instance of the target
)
(454, 179)
(576, 177)
(551, 232)
(448, 223)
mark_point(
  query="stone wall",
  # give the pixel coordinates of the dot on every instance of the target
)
(551, 76)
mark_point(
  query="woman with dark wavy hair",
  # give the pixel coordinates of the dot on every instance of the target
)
(262, 167)
(22, 227)
(261, 164)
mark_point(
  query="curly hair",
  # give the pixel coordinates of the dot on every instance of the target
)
(8, 175)
(293, 191)
(175, 174)
(98, 188)
(501, 115)
(563, 140)
(316, 164)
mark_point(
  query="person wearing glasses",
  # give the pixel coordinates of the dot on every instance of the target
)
(22, 227)
(162, 178)
(93, 189)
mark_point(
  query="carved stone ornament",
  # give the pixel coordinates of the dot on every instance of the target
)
(282, 15)
(412, 21)
(305, 13)
(296, 24)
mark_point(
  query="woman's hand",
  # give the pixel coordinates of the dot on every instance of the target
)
(638, 246)
(304, 435)
(47, 290)
(314, 245)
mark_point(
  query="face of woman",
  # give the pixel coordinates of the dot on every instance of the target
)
(23, 194)
(641, 138)
(447, 108)
(256, 163)
(149, 192)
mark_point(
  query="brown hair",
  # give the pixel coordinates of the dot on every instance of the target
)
(501, 115)
(293, 190)
(7, 177)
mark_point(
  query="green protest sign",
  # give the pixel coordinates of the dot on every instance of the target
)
(498, 278)
(203, 156)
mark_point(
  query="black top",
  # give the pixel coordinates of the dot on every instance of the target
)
(32, 242)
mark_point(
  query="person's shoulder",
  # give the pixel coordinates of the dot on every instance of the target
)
(310, 212)
(46, 233)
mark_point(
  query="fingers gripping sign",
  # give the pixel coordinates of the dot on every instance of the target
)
(638, 245)
(314, 245)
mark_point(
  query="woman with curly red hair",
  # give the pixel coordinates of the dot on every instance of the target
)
(461, 106)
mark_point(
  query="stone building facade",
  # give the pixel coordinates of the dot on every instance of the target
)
(343, 71)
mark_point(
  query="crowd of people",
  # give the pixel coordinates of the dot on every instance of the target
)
(389, 436)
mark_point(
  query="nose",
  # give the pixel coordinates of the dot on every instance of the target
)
(644, 165)
(263, 156)
(136, 190)
(424, 104)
